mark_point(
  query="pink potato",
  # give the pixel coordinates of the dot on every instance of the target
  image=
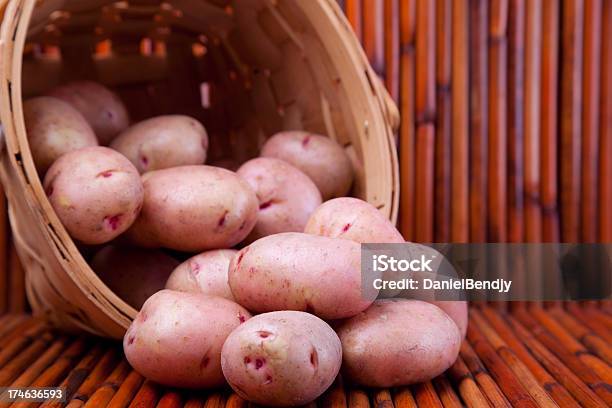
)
(176, 338)
(54, 128)
(286, 196)
(194, 208)
(100, 106)
(281, 358)
(398, 342)
(204, 273)
(456, 310)
(133, 274)
(96, 193)
(319, 157)
(295, 271)
(354, 219)
(163, 142)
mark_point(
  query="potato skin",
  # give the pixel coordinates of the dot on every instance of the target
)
(295, 271)
(195, 208)
(54, 128)
(319, 157)
(286, 196)
(176, 338)
(163, 142)
(398, 342)
(96, 193)
(456, 310)
(204, 273)
(354, 219)
(100, 106)
(281, 358)
(133, 274)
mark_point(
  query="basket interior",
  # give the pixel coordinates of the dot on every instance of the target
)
(246, 68)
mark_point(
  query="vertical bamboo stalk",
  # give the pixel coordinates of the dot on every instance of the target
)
(549, 117)
(442, 160)
(17, 300)
(407, 131)
(373, 34)
(460, 121)
(425, 114)
(498, 54)
(571, 105)
(533, 71)
(590, 119)
(605, 130)
(392, 48)
(516, 54)
(478, 119)
(353, 12)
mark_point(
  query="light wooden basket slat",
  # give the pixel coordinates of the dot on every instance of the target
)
(270, 65)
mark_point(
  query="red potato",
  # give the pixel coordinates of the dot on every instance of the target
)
(204, 273)
(319, 157)
(456, 310)
(294, 271)
(286, 196)
(176, 338)
(354, 219)
(100, 106)
(398, 342)
(133, 274)
(54, 128)
(96, 193)
(163, 142)
(194, 208)
(281, 358)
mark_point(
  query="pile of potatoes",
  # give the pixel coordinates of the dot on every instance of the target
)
(249, 278)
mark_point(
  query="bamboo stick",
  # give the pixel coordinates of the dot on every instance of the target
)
(25, 358)
(516, 68)
(382, 399)
(460, 122)
(426, 396)
(521, 371)
(407, 131)
(353, 10)
(599, 322)
(512, 388)
(550, 384)
(566, 377)
(425, 114)
(468, 389)
(118, 382)
(533, 72)
(358, 399)
(549, 115)
(605, 130)
(403, 398)
(590, 119)
(446, 392)
(170, 399)
(17, 302)
(442, 149)
(234, 401)
(334, 396)
(147, 396)
(574, 363)
(373, 34)
(483, 377)
(497, 114)
(478, 121)
(102, 369)
(571, 104)
(392, 48)
(590, 340)
(23, 334)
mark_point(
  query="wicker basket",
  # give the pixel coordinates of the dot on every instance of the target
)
(245, 68)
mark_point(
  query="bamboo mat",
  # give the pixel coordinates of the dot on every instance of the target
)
(530, 356)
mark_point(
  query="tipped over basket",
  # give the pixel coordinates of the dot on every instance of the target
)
(245, 68)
